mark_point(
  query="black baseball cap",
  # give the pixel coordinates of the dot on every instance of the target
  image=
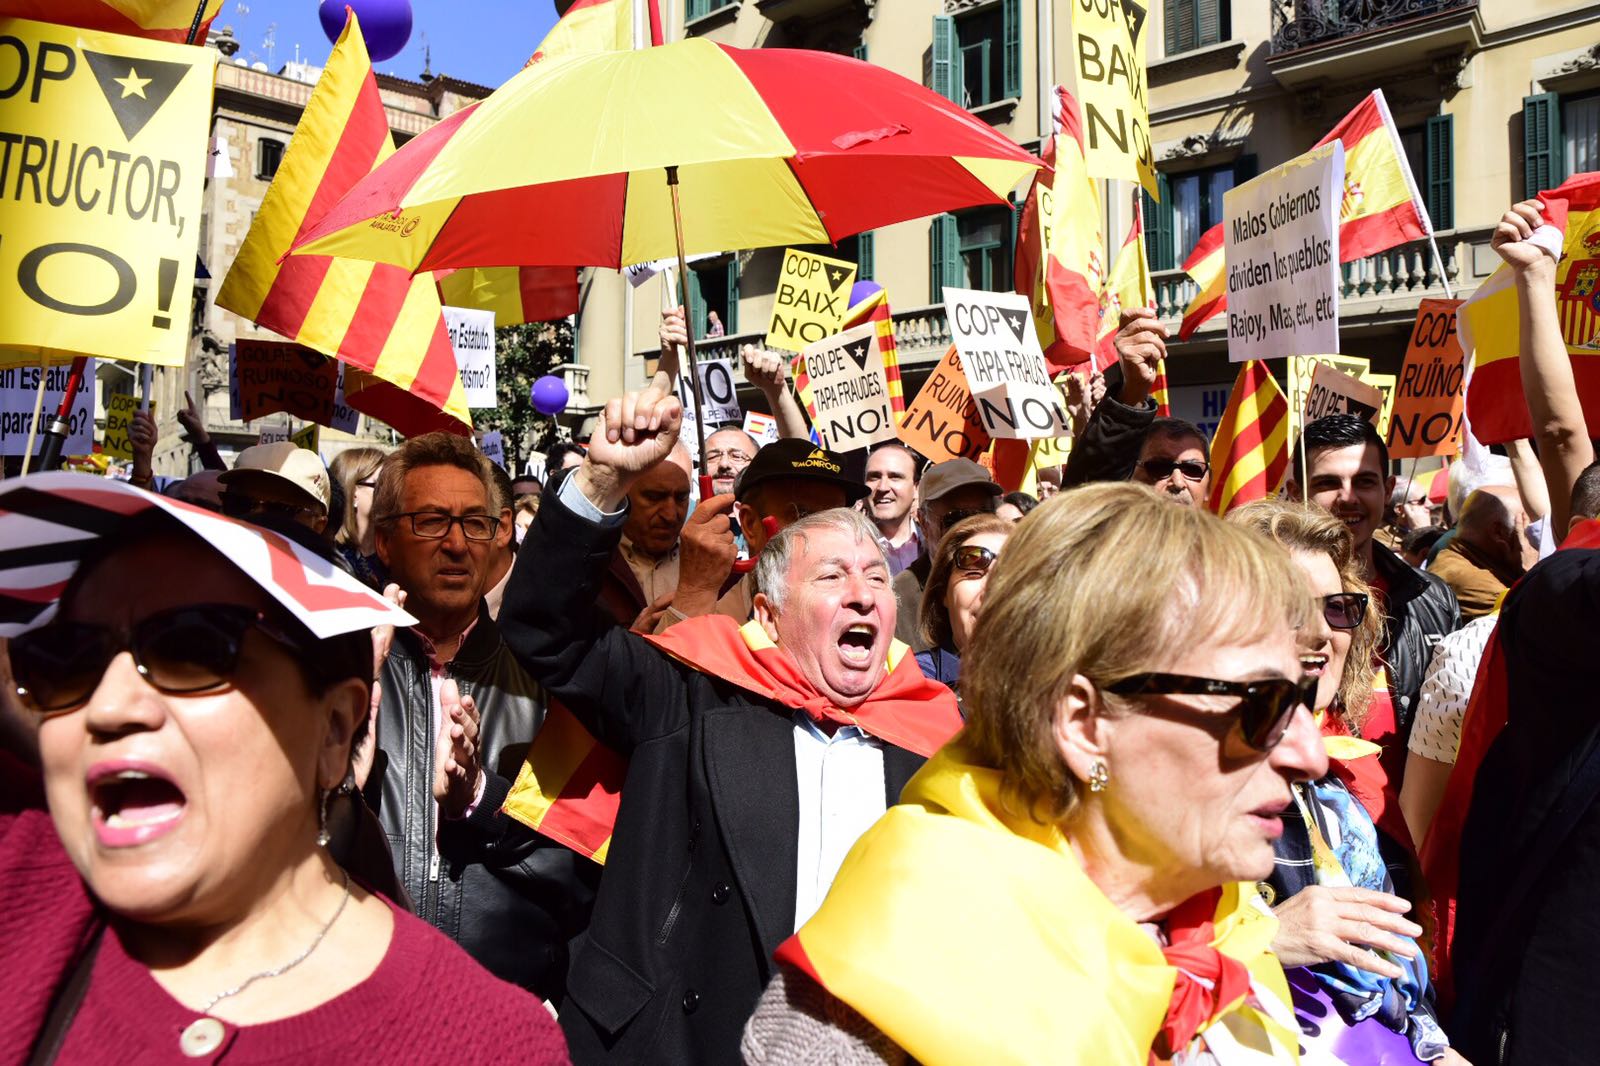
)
(792, 457)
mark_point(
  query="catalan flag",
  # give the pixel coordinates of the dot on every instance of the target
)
(515, 294)
(1496, 407)
(1059, 264)
(1250, 452)
(376, 318)
(159, 20)
(1379, 210)
(1128, 285)
(597, 26)
(1158, 391)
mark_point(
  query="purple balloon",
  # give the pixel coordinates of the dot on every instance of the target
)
(386, 24)
(862, 290)
(549, 395)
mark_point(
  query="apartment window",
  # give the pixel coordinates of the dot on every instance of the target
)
(1192, 24)
(1430, 151)
(714, 289)
(697, 8)
(977, 57)
(1580, 133)
(971, 250)
(859, 250)
(269, 154)
(1191, 203)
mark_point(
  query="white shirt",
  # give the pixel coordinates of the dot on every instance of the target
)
(840, 781)
(656, 577)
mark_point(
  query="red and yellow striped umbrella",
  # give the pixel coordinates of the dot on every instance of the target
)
(567, 163)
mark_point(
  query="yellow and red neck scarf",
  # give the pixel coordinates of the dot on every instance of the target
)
(969, 934)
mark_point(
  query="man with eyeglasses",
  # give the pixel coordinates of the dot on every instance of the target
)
(948, 492)
(279, 481)
(728, 451)
(456, 714)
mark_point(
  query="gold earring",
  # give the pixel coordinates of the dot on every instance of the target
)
(1099, 777)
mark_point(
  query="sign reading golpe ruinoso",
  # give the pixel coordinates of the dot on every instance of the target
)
(1108, 44)
(1004, 364)
(104, 157)
(1429, 395)
(812, 299)
(850, 389)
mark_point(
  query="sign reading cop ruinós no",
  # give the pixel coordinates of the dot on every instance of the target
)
(1004, 364)
(1429, 395)
(813, 297)
(472, 338)
(1281, 247)
(941, 422)
(1108, 41)
(850, 389)
(105, 154)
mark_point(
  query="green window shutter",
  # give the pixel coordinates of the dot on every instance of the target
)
(1011, 52)
(731, 320)
(1158, 228)
(1542, 160)
(860, 51)
(1208, 22)
(1440, 194)
(944, 256)
(866, 255)
(697, 305)
(1178, 19)
(945, 82)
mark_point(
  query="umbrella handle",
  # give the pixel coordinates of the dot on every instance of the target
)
(683, 299)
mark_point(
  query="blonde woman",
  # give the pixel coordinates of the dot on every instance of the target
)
(356, 471)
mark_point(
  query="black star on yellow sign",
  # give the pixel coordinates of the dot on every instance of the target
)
(134, 89)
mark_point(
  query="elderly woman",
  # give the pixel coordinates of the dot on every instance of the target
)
(954, 592)
(1342, 930)
(356, 472)
(178, 900)
(1071, 878)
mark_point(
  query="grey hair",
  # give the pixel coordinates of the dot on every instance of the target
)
(772, 568)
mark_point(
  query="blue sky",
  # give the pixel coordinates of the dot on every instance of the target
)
(484, 41)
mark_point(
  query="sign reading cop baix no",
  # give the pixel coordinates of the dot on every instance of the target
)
(813, 296)
(100, 178)
(1004, 365)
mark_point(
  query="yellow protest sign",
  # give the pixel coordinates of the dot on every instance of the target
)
(104, 159)
(306, 437)
(1384, 383)
(119, 416)
(813, 296)
(1109, 46)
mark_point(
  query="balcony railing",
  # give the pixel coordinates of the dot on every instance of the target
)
(1299, 23)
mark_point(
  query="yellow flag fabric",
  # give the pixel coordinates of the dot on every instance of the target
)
(102, 215)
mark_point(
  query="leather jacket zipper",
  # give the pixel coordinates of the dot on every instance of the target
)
(683, 886)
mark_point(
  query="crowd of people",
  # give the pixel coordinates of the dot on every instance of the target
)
(904, 767)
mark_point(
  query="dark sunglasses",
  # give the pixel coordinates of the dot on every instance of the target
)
(1345, 610)
(237, 505)
(1264, 709)
(974, 560)
(960, 515)
(1161, 469)
(179, 651)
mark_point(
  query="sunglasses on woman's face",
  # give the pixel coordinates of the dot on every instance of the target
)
(1265, 707)
(179, 651)
(1344, 610)
(974, 561)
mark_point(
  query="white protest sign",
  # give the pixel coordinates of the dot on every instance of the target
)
(849, 389)
(763, 428)
(273, 432)
(1333, 392)
(18, 391)
(640, 273)
(1004, 364)
(345, 417)
(493, 446)
(472, 337)
(1281, 248)
(719, 400)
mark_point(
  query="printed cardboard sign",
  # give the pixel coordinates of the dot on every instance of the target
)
(18, 391)
(1109, 46)
(850, 389)
(472, 338)
(1004, 364)
(1432, 385)
(941, 422)
(813, 297)
(1335, 393)
(119, 416)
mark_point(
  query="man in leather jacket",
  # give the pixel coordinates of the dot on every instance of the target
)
(457, 714)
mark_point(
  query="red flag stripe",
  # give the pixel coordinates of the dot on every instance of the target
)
(365, 135)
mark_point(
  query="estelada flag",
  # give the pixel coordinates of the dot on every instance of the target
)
(515, 294)
(375, 317)
(1487, 323)
(159, 20)
(1250, 452)
(1380, 208)
(1128, 285)
(597, 26)
(1059, 265)
(570, 785)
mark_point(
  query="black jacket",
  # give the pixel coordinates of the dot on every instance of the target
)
(510, 897)
(699, 888)
(1110, 443)
(1421, 611)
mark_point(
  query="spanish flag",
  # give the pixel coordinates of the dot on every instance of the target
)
(159, 20)
(1250, 452)
(1487, 322)
(1379, 210)
(1059, 263)
(1128, 285)
(515, 294)
(597, 26)
(374, 317)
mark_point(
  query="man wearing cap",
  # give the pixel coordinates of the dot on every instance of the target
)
(755, 754)
(280, 480)
(786, 481)
(948, 492)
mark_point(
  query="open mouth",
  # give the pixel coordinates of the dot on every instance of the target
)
(133, 805)
(1313, 663)
(856, 643)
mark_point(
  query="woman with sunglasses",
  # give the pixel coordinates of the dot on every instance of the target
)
(1072, 878)
(1359, 976)
(954, 593)
(178, 901)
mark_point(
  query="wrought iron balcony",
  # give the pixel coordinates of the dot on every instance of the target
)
(1302, 23)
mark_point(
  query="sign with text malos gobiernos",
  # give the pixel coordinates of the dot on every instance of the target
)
(1429, 395)
(850, 389)
(813, 296)
(1281, 247)
(941, 422)
(1109, 44)
(1004, 364)
(105, 146)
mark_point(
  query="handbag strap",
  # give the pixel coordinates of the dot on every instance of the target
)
(64, 1008)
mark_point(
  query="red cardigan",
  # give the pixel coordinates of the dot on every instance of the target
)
(426, 1002)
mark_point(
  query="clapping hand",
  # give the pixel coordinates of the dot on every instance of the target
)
(457, 771)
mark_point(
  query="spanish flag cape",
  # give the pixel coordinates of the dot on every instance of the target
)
(570, 785)
(968, 934)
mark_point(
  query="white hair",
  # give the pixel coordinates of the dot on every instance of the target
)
(772, 568)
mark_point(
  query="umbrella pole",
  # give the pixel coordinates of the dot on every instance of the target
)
(683, 301)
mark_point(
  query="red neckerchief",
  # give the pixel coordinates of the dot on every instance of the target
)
(1209, 982)
(906, 709)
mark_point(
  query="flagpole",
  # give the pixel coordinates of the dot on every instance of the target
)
(1300, 415)
(38, 409)
(1439, 261)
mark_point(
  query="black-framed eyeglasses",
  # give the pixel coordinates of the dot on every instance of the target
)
(1264, 709)
(1345, 610)
(974, 559)
(1161, 469)
(180, 651)
(435, 525)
